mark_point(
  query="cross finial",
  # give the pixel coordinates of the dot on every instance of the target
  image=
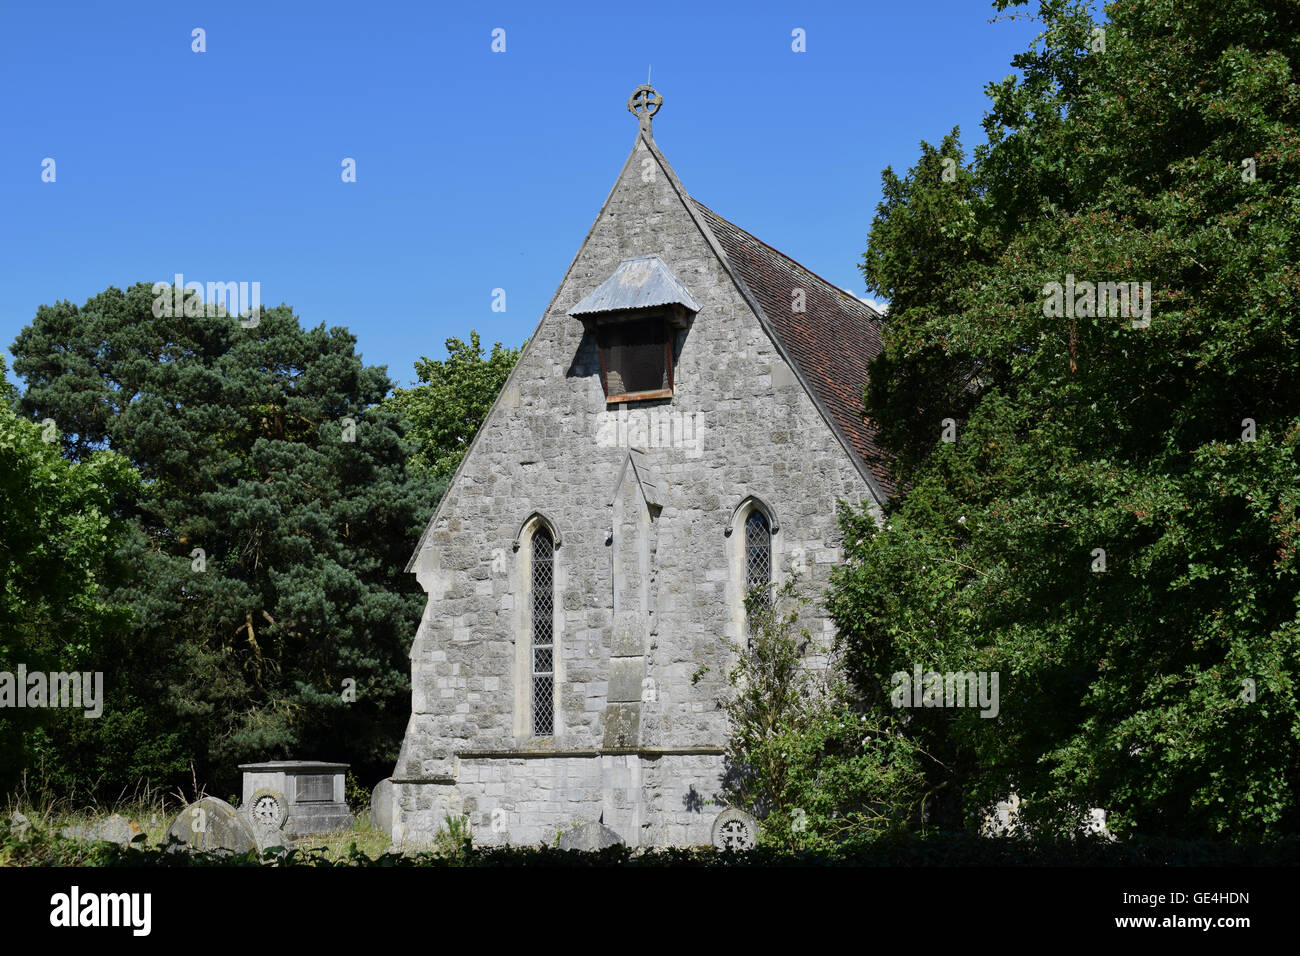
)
(644, 103)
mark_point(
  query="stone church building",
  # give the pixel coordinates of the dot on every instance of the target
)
(677, 430)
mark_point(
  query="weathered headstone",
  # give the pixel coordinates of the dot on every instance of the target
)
(212, 824)
(19, 825)
(381, 806)
(267, 812)
(1004, 820)
(1095, 824)
(734, 830)
(115, 829)
(589, 836)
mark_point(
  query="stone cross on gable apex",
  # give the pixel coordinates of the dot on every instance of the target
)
(644, 103)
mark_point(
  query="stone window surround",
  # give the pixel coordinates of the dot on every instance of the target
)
(521, 585)
(737, 574)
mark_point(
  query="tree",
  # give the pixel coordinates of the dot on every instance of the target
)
(59, 530)
(446, 410)
(1114, 528)
(800, 756)
(275, 517)
(8, 394)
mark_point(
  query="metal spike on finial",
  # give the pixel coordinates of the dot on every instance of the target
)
(645, 102)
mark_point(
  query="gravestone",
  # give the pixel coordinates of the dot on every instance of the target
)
(295, 798)
(114, 829)
(734, 830)
(267, 812)
(212, 824)
(1095, 823)
(20, 825)
(381, 806)
(1004, 820)
(589, 836)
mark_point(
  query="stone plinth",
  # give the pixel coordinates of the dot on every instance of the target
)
(295, 797)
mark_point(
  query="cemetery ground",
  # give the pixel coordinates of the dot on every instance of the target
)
(41, 832)
(32, 834)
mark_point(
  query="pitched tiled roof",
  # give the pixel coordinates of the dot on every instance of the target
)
(832, 341)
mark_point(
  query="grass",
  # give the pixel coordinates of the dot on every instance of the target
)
(155, 812)
(336, 846)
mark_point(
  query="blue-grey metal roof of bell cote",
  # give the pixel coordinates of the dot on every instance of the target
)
(638, 283)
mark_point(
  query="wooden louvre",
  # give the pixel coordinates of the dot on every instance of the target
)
(635, 359)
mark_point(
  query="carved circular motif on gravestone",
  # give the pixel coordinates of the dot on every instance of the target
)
(267, 810)
(734, 830)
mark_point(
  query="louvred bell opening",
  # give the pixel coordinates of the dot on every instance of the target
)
(636, 359)
(634, 315)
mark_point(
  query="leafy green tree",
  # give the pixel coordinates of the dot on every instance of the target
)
(1114, 528)
(800, 757)
(451, 402)
(926, 246)
(8, 394)
(274, 521)
(59, 531)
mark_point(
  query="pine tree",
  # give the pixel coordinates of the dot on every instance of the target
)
(272, 613)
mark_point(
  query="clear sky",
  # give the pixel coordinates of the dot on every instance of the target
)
(476, 170)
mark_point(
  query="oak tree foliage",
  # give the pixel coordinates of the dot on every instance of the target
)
(1163, 682)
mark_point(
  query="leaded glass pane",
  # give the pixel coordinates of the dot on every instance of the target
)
(758, 553)
(543, 717)
(543, 633)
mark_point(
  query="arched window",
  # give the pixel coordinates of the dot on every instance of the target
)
(753, 563)
(758, 554)
(543, 650)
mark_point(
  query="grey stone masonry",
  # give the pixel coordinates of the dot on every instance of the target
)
(647, 503)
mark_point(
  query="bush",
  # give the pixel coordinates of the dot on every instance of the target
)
(801, 758)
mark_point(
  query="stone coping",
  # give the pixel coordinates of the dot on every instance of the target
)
(310, 766)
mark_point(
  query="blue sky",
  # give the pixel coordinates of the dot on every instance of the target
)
(475, 170)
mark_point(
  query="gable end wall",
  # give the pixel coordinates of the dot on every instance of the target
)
(740, 424)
